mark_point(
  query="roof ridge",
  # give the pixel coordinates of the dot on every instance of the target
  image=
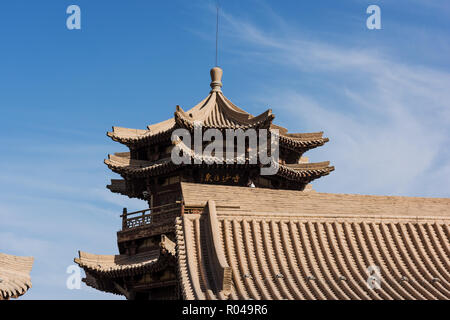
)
(222, 270)
(280, 200)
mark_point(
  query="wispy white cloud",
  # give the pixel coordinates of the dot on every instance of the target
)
(388, 120)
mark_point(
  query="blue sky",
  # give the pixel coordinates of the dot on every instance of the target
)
(381, 96)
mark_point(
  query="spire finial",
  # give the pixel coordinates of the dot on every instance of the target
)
(216, 79)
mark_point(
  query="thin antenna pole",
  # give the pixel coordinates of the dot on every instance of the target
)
(217, 31)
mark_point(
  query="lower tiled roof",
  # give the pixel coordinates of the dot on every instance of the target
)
(281, 244)
(118, 265)
(102, 271)
(15, 277)
(277, 251)
(123, 265)
(299, 258)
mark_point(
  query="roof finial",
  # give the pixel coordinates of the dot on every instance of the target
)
(216, 79)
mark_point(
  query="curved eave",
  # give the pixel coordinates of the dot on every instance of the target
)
(100, 283)
(296, 142)
(95, 265)
(120, 186)
(305, 172)
(125, 166)
(302, 142)
(15, 275)
(117, 266)
(141, 139)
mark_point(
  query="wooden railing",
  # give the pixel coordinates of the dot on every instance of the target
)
(135, 219)
(131, 220)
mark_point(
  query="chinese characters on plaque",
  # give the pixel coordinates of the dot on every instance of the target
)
(224, 178)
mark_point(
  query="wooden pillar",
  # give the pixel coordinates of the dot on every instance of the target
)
(124, 219)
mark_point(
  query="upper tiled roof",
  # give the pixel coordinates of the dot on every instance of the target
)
(15, 277)
(216, 111)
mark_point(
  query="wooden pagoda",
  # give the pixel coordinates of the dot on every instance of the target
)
(208, 235)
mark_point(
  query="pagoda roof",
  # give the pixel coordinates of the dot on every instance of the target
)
(125, 165)
(15, 279)
(125, 265)
(215, 111)
(278, 244)
(157, 132)
(101, 269)
(302, 141)
(118, 265)
(308, 171)
(122, 164)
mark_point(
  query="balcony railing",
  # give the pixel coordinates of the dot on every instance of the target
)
(131, 220)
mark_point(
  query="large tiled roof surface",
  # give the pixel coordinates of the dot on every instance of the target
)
(290, 245)
(314, 203)
(15, 277)
(296, 257)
